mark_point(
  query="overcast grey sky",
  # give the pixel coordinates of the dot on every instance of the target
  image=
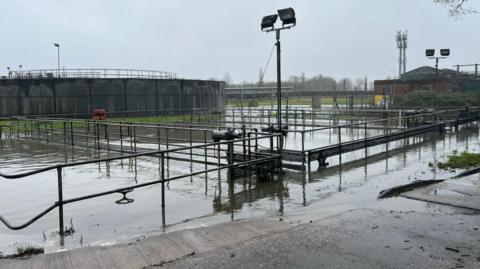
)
(205, 39)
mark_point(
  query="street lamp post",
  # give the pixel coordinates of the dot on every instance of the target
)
(287, 16)
(430, 53)
(58, 58)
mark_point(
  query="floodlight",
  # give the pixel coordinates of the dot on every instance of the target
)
(56, 45)
(445, 52)
(269, 21)
(287, 16)
(430, 52)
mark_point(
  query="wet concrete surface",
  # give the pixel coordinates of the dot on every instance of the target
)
(463, 193)
(155, 250)
(359, 238)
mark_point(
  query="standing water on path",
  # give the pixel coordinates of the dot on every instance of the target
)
(201, 200)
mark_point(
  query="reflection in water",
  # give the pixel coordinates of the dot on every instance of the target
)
(251, 190)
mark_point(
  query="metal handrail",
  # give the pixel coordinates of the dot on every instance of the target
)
(376, 121)
(162, 154)
(148, 153)
(119, 190)
(92, 73)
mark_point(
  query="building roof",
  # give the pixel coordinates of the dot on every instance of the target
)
(427, 72)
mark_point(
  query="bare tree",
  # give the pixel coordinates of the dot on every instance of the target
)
(456, 8)
(359, 84)
(227, 79)
(260, 77)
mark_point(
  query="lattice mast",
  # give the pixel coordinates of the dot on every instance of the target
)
(402, 44)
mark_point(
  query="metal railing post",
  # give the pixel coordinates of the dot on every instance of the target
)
(135, 138)
(230, 159)
(60, 201)
(206, 148)
(121, 138)
(71, 133)
(365, 138)
(162, 156)
(303, 148)
(65, 132)
(339, 134)
(303, 116)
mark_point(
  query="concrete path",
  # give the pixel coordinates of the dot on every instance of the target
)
(356, 239)
(155, 250)
(464, 193)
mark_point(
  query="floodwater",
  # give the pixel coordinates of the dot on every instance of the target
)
(206, 199)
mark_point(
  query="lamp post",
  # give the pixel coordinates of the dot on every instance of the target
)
(430, 53)
(20, 71)
(287, 16)
(58, 58)
(9, 72)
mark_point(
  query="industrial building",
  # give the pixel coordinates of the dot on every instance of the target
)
(425, 78)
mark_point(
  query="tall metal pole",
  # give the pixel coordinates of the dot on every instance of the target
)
(279, 94)
(436, 84)
(400, 59)
(58, 59)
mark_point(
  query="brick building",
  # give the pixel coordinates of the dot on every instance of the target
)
(420, 79)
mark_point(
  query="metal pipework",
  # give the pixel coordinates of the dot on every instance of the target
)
(229, 134)
(271, 128)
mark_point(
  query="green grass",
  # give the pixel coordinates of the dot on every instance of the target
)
(167, 118)
(463, 161)
(59, 125)
(29, 250)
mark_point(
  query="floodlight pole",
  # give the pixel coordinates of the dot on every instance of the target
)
(279, 85)
(268, 25)
(430, 54)
(436, 80)
(279, 93)
(436, 83)
(58, 60)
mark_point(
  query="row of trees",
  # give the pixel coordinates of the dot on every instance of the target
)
(303, 83)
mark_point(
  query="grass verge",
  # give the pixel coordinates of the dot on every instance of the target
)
(463, 161)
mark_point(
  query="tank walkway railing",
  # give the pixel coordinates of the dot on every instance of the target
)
(398, 128)
(100, 135)
(260, 161)
(92, 73)
(295, 117)
(321, 154)
(124, 137)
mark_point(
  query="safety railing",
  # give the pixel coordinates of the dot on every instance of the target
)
(91, 73)
(250, 159)
(396, 128)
